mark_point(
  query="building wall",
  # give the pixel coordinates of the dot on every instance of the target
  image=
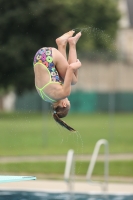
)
(105, 77)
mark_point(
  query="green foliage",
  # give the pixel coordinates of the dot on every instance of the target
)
(26, 26)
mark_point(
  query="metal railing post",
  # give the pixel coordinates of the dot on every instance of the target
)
(69, 171)
(93, 161)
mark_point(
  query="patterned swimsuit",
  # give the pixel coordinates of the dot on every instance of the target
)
(44, 57)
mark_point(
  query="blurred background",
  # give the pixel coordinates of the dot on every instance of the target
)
(101, 102)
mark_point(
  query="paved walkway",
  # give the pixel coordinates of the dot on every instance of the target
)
(61, 186)
(112, 157)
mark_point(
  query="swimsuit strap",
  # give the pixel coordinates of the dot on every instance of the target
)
(50, 81)
(47, 71)
(48, 98)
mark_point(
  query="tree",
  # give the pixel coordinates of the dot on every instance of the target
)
(26, 26)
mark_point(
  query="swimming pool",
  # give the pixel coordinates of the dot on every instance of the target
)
(24, 195)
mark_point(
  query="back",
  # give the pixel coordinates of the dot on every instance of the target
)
(44, 58)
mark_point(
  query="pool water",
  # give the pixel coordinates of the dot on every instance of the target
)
(22, 195)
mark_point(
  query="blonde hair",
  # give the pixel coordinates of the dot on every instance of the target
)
(60, 112)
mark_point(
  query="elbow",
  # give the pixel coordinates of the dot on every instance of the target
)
(74, 79)
(74, 82)
(67, 93)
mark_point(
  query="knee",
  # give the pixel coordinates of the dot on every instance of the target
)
(54, 50)
(74, 81)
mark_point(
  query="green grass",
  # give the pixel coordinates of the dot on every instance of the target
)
(37, 134)
(116, 168)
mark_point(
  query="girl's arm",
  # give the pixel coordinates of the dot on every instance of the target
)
(67, 81)
(75, 71)
(75, 77)
(62, 65)
(66, 88)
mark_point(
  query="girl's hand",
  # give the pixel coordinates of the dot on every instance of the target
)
(76, 65)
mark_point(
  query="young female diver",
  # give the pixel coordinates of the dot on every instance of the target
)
(54, 75)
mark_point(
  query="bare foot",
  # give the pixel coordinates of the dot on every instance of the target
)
(74, 40)
(64, 38)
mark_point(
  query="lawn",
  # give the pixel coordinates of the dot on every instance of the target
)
(38, 134)
(116, 168)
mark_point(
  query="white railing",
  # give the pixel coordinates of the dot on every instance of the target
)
(69, 170)
(93, 161)
(70, 167)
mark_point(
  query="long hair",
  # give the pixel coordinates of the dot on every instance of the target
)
(60, 112)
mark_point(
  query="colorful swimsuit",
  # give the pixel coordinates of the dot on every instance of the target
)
(44, 57)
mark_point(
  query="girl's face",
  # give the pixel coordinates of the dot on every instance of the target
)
(63, 103)
(62, 107)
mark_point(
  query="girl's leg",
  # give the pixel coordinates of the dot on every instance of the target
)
(60, 62)
(72, 57)
(62, 42)
(59, 55)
